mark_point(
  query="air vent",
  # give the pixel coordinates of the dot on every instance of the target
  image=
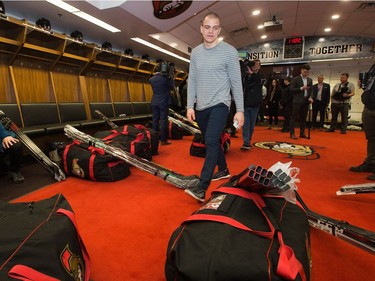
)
(239, 31)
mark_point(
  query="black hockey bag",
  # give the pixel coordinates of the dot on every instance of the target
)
(129, 138)
(175, 132)
(92, 163)
(198, 147)
(241, 235)
(40, 241)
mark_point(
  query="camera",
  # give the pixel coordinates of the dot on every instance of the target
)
(166, 68)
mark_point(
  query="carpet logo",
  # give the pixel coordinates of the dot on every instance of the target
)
(170, 9)
(73, 264)
(296, 151)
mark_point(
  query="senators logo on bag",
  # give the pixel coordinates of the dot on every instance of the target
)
(73, 264)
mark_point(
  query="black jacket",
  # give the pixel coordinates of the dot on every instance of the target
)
(253, 90)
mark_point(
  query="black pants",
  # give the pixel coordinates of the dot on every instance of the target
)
(12, 157)
(343, 109)
(318, 107)
(300, 111)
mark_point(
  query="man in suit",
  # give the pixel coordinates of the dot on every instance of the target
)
(301, 88)
(321, 96)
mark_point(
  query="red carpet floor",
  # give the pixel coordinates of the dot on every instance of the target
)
(126, 225)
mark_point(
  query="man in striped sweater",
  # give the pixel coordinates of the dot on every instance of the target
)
(214, 77)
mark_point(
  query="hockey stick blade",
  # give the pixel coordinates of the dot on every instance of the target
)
(352, 234)
(169, 176)
(356, 189)
(33, 149)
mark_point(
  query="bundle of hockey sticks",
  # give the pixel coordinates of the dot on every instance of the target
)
(351, 189)
(166, 174)
(183, 118)
(33, 149)
(261, 180)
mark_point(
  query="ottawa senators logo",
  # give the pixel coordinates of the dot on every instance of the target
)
(76, 169)
(170, 9)
(73, 264)
(296, 151)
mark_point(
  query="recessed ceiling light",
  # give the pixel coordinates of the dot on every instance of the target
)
(221, 38)
(256, 12)
(328, 29)
(264, 36)
(260, 26)
(335, 17)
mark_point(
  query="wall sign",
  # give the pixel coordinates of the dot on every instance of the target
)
(293, 47)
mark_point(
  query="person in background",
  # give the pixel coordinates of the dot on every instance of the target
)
(253, 83)
(321, 97)
(273, 102)
(214, 74)
(301, 88)
(340, 102)
(287, 105)
(11, 148)
(368, 119)
(161, 99)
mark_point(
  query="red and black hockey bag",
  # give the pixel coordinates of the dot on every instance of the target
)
(153, 137)
(198, 147)
(92, 163)
(129, 138)
(40, 242)
(175, 132)
(240, 235)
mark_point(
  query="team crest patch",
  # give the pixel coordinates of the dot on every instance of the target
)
(296, 151)
(73, 264)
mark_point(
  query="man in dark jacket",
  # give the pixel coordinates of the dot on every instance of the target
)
(11, 149)
(287, 105)
(161, 99)
(321, 97)
(301, 87)
(253, 83)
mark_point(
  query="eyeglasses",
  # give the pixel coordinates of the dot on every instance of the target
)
(214, 28)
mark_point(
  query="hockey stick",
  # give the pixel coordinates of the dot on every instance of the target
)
(34, 150)
(352, 234)
(309, 121)
(106, 119)
(169, 176)
(183, 118)
(184, 126)
(356, 189)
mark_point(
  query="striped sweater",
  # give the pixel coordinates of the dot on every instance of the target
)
(214, 74)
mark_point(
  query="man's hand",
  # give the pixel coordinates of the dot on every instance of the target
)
(239, 117)
(9, 141)
(190, 115)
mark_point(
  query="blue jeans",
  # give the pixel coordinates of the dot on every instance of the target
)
(251, 114)
(160, 120)
(212, 122)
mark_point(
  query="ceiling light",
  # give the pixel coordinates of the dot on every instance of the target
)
(264, 36)
(220, 38)
(256, 12)
(61, 4)
(328, 29)
(260, 26)
(335, 17)
(148, 44)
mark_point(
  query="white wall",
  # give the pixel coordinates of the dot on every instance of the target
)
(332, 71)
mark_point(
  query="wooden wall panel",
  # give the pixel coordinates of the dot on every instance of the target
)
(33, 85)
(6, 89)
(136, 91)
(97, 89)
(119, 90)
(67, 88)
(148, 91)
